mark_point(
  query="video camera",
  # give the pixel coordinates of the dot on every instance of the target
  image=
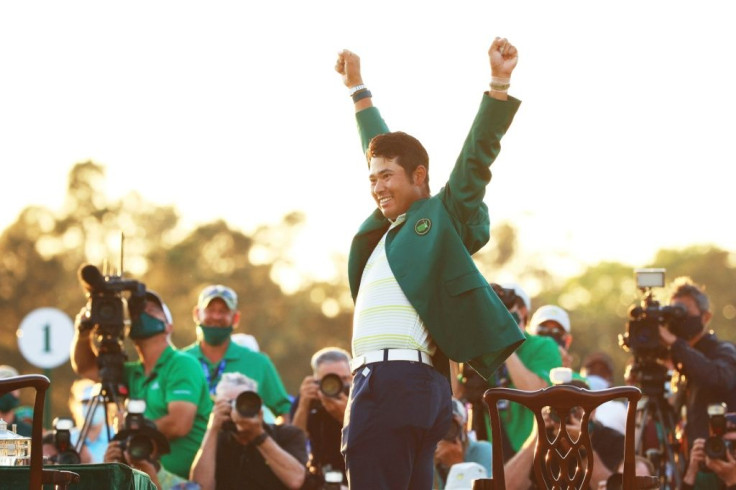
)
(62, 440)
(720, 423)
(107, 312)
(642, 329)
(140, 437)
(642, 332)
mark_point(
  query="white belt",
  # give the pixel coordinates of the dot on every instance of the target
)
(390, 355)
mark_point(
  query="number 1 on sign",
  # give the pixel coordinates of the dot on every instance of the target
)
(47, 338)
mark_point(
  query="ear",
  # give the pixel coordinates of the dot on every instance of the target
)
(236, 319)
(195, 314)
(706, 318)
(420, 175)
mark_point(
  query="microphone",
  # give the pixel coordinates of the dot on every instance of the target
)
(91, 278)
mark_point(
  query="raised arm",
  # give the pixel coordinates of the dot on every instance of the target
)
(503, 57)
(348, 65)
(465, 190)
(370, 122)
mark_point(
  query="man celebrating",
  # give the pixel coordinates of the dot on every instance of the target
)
(216, 315)
(170, 382)
(419, 298)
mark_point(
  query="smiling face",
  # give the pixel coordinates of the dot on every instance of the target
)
(393, 190)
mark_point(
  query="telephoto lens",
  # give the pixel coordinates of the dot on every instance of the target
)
(331, 385)
(247, 404)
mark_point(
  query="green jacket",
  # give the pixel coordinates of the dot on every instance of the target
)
(434, 268)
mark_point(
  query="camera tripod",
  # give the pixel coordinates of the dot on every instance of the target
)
(655, 414)
(104, 393)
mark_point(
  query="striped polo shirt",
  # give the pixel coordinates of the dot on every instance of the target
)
(383, 317)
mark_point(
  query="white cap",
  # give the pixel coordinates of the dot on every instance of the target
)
(245, 340)
(546, 313)
(520, 293)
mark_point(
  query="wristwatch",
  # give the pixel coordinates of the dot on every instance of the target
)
(260, 439)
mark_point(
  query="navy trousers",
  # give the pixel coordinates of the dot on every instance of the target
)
(397, 413)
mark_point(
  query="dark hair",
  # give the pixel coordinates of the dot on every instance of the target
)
(609, 444)
(684, 286)
(406, 149)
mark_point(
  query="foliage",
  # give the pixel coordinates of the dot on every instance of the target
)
(42, 250)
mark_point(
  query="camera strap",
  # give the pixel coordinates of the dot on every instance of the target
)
(212, 382)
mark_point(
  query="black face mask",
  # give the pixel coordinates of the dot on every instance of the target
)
(687, 328)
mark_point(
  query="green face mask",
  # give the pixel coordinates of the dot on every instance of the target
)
(8, 402)
(146, 326)
(216, 335)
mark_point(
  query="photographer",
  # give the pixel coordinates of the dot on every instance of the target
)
(704, 472)
(457, 447)
(240, 451)
(145, 458)
(707, 364)
(170, 382)
(319, 409)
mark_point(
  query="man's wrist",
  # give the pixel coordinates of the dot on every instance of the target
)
(259, 439)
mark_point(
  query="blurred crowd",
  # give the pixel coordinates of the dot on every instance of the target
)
(216, 414)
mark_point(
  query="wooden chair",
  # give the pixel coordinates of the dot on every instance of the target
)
(558, 463)
(38, 475)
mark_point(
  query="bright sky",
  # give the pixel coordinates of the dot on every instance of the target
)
(622, 146)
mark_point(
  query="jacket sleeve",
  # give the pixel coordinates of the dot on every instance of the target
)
(463, 195)
(370, 124)
(717, 372)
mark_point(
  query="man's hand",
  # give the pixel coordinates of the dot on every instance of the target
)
(503, 56)
(348, 65)
(309, 389)
(697, 458)
(726, 470)
(220, 414)
(335, 406)
(449, 453)
(248, 427)
(667, 337)
(113, 453)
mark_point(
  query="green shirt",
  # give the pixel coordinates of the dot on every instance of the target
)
(539, 355)
(175, 377)
(256, 365)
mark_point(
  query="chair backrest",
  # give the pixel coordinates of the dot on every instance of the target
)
(41, 384)
(559, 460)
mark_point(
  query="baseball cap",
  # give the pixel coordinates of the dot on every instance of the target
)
(546, 313)
(218, 291)
(520, 293)
(8, 371)
(154, 296)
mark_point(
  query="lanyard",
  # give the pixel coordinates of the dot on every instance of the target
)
(212, 382)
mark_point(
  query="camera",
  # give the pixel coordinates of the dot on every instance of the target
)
(331, 385)
(140, 437)
(107, 312)
(62, 440)
(247, 404)
(720, 423)
(642, 333)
